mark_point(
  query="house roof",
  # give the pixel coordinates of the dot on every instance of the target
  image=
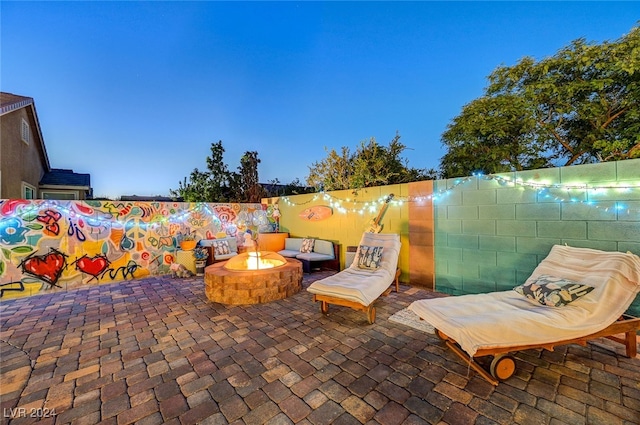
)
(63, 177)
(10, 102)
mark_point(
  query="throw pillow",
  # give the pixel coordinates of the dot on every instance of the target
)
(307, 245)
(221, 247)
(369, 257)
(552, 291)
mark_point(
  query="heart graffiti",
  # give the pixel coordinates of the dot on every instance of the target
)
(93, 266)
(48, 267)
(50, 218)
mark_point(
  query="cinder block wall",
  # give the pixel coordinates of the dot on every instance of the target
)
(490, 234)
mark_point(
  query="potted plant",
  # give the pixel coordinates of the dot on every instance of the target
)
(201, 254)
(187, 241)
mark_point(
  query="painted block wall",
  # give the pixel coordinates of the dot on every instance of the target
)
(352, 214)
(420, 205)
(57, 245)
(491, 233)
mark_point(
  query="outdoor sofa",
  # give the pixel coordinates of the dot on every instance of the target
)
(312, 252)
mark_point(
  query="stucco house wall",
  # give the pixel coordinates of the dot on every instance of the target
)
(20, 161)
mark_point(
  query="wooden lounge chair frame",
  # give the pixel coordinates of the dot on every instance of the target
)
(370, 309)
(503, 365)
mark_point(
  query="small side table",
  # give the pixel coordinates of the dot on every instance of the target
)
(187, 259)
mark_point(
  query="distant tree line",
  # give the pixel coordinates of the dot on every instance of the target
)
(581, 105)
(218, 184)
(370, 165)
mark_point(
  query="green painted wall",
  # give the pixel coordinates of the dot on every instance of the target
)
(490, 233)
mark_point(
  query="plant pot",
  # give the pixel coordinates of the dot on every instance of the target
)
(187, 245)
(200, 265)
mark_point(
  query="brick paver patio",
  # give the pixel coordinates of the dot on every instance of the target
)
(156, 351)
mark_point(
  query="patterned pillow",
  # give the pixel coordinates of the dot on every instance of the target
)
(552, 291)
(221, 247)
(369, 257)
(307, 245)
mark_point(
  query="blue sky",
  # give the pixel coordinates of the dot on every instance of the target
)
(134, 93)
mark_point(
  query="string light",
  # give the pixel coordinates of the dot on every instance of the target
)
(117, 216)
(544, 189)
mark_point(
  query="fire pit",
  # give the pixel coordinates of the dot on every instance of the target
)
(253, 278)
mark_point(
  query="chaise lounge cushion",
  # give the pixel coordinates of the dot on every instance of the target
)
(507, 319)
(363, 286)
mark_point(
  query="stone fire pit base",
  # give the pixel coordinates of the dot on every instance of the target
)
(252, 286)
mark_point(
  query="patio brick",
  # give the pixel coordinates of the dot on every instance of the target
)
(295, 408)
(164, 354)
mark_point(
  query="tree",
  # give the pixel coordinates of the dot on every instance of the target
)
(220, 178)
(217, 184)
(250, 188)
(274, 188)
(581, 105)
(332, 173)
(370, 165)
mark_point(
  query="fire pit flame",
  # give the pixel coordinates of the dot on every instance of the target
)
(255, 260)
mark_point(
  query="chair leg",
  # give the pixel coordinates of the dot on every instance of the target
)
(631, 343)
(306, 266)
(397, 280)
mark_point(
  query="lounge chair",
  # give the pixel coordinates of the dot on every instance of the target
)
(371, 275)
(498, 323)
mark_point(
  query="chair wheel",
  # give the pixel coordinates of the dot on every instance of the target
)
(502, 367)
(371, 315)
(441, 335)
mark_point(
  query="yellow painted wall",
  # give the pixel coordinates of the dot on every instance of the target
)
(351, 217)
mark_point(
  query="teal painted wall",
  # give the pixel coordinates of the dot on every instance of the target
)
(491, 233)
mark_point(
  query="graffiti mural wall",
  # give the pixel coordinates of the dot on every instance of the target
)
(48, 245)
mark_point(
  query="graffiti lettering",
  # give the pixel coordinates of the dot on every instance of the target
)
(196, 222)
(74, 229)
(125, 271)
(161, 242)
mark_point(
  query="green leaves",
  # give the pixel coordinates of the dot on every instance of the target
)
(581, 105)
(370, 165)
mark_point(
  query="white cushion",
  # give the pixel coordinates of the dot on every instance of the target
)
(313, 256)
(324, 247)
(292, 244)
(289, 253)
